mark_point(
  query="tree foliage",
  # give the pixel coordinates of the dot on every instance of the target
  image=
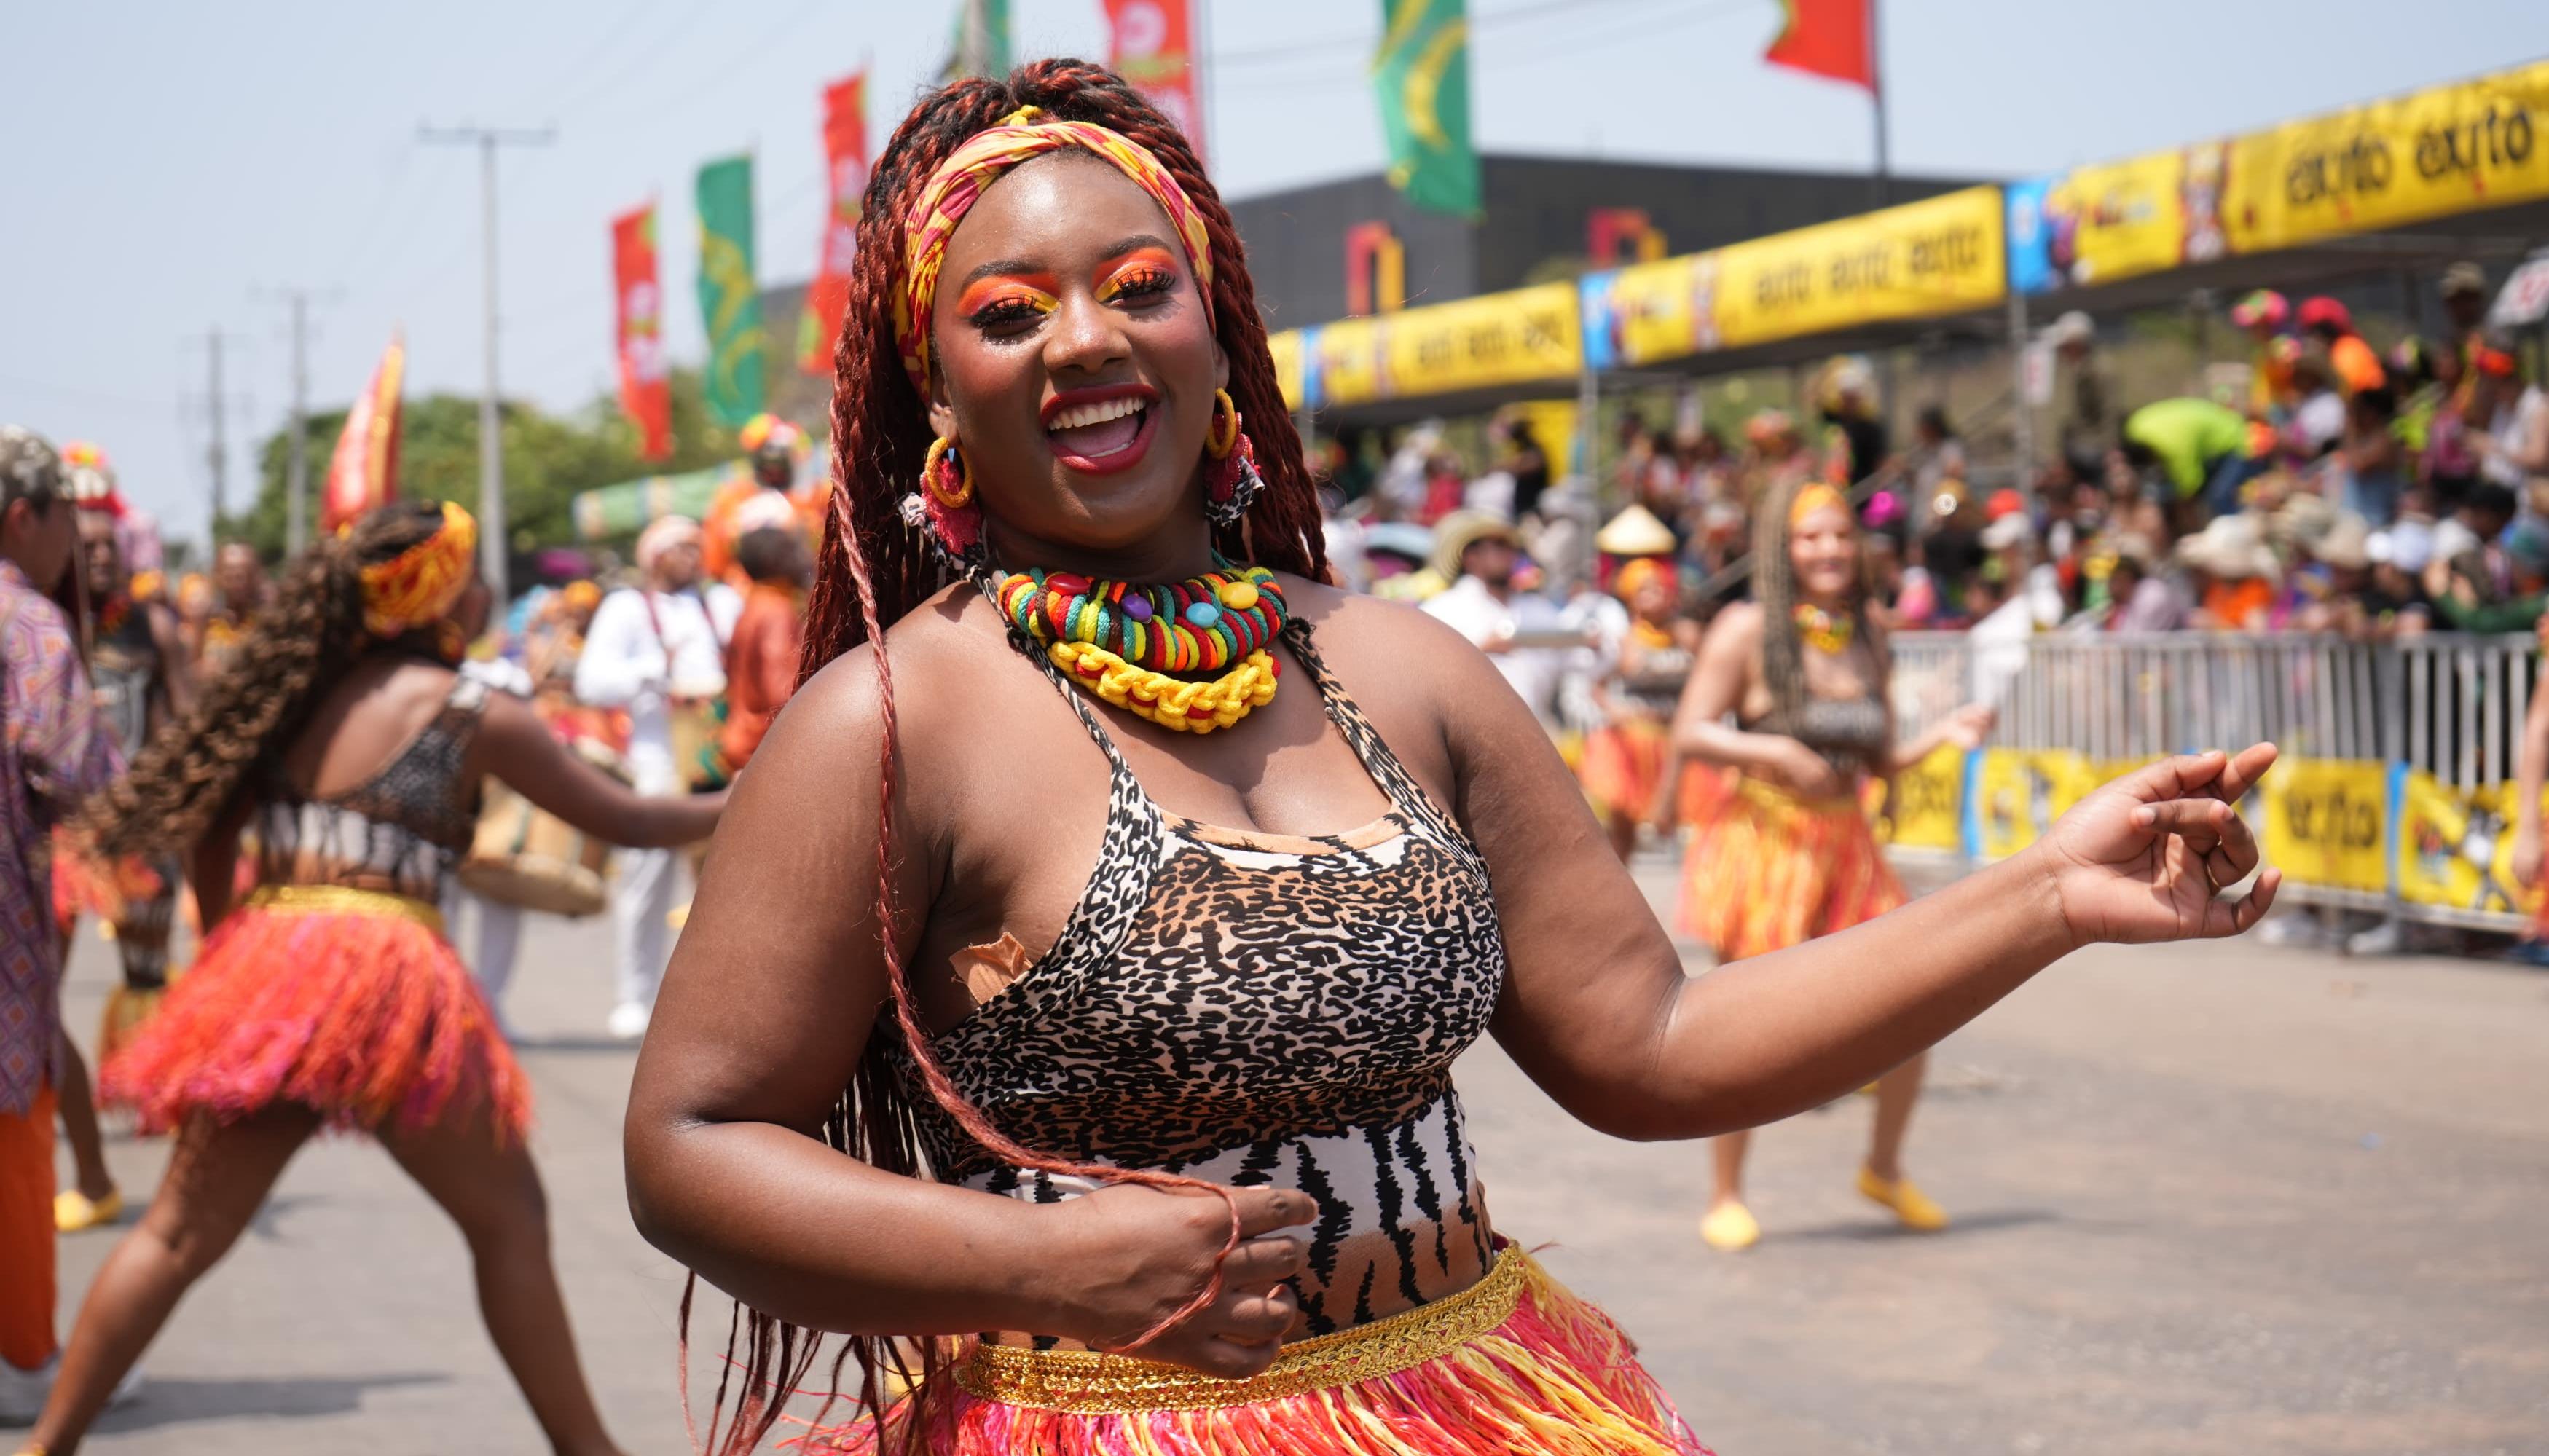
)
(548, 460)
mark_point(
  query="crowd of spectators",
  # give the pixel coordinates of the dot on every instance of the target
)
(2347, 489)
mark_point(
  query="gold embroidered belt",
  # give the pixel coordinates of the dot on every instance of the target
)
(1090, 1383)
(342, 899)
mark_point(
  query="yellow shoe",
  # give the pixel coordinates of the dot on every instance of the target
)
(1729, 1226)
(1908, 1203)
(72, 1211)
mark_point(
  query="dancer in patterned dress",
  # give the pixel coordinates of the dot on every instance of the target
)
(329, 998)
(1080, 971)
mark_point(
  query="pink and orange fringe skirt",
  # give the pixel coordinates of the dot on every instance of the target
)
(1622, 768)
(348, 1001)
(1513, 1364)
(1767, 869)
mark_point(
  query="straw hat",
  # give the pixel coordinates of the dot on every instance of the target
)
(2232, 547)
(1635, 532)
(2347, 544)
(1456, 532)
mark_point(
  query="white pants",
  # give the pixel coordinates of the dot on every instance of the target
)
(647, 886)
(500, 939)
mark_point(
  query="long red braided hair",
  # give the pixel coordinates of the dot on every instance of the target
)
(871, 570)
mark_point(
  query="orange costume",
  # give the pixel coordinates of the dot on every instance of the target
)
(760, 668)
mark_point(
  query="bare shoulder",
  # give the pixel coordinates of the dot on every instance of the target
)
(1376, 623)
(1738, 626)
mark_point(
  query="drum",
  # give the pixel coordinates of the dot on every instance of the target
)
(697, 723)
(525, 856)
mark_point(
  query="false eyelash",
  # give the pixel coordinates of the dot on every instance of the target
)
(1007, 311)
(1140, 282)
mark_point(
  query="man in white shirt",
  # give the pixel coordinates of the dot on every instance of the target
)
(1482, 605)
(648, 647)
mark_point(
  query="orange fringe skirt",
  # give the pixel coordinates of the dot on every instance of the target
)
(1769, 869)
(1513, 1364)
(1622, 768)
(345, 1000)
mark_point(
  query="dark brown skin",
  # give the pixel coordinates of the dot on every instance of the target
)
(779, 980)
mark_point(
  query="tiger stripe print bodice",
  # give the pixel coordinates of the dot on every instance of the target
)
(1248, 1008)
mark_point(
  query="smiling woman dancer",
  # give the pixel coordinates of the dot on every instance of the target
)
(1054, 868)
(329, 997)
(1789, 854)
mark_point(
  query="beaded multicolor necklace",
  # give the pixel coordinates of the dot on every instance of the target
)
(1137, 646)
(1822, 631)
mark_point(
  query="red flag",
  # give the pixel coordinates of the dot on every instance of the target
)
(363, 472)
(643, 390)
(1150, 43)
(845, 145)
(1827, 38)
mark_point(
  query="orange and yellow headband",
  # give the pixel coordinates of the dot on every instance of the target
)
(418, 585)
(957, 184)
(1813, 496)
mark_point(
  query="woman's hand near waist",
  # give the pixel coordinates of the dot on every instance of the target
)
(1131, 1257)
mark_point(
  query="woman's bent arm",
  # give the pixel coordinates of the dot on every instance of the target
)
(1598, 1011)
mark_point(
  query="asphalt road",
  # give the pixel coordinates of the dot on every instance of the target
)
(2218, 1199)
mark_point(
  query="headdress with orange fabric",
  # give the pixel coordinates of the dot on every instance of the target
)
(418, 585)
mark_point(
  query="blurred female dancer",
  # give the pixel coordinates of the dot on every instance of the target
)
(1626, 758)
(329, 997)
(1043, 869)
(1789, 856)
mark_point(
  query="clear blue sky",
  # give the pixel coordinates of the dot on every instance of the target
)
(164, 163)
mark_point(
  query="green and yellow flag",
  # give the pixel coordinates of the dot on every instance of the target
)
(1421, 76)
(729, 299)
(982, 41)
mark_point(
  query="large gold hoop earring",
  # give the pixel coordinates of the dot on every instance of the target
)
(941, 450)
(1218, 441)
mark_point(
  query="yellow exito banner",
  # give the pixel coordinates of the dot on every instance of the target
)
(2453, 844)
(1648, 312)
(2122, 218)
(2328, 822)
(1518, 337)
(1942, 255)
(1926, 808)
(2429, 154)
(1287, 349)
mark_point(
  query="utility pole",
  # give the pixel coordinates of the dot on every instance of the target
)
(491, 445)
(1884, 178)
(295, 480)
(217, 454)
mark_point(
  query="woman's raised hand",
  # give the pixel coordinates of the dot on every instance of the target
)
(1135, 1255)
(2146, 856)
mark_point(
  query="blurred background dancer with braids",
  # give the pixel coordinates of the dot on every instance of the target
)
(1789, 856)
(1087, 730)
(328, 997)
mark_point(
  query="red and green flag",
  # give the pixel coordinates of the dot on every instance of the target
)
(1828, 38)
(845, 152)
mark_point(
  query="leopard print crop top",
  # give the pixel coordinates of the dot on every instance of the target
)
(402, 830)
(1248, 1008)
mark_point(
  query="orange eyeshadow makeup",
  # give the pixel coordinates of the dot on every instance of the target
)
(1143, 269)
(1033, 293)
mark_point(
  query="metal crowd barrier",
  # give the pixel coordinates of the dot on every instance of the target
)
(2394, 791)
